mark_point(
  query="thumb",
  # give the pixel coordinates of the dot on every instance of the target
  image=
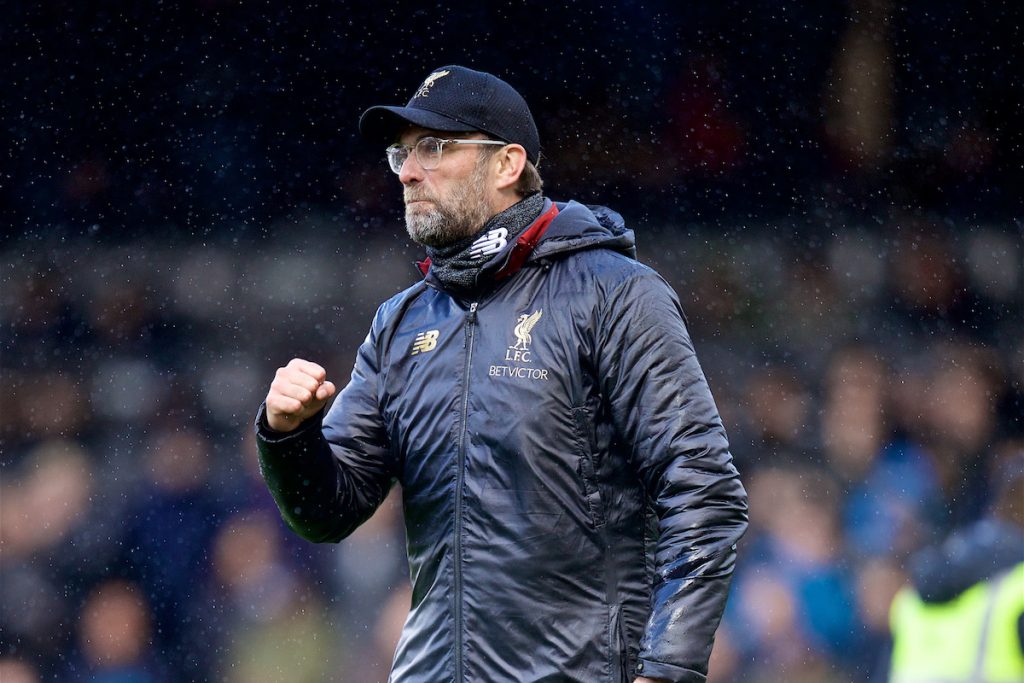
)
(325, 391)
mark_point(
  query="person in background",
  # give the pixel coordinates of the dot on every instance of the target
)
(962, 619)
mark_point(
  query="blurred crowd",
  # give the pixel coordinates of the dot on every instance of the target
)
(833, 191)
(870, 381)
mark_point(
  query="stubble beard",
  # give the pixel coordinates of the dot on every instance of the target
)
(448, 220)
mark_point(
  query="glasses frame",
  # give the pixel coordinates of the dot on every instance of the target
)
(393, 151)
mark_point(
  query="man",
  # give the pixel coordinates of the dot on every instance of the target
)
(570, 501)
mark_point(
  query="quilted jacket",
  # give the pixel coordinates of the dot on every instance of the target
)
(570, 501)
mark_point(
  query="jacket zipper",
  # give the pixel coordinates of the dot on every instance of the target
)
(459, 477)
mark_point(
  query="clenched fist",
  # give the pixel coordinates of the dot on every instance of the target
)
(298, 391)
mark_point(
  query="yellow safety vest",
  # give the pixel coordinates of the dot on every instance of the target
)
(970, 639)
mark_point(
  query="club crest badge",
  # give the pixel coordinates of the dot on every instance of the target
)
(429, 83)
(519, 355)
(522, 331)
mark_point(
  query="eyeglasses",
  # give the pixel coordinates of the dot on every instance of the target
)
(428, 151)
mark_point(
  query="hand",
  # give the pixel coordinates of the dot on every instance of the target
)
(298, 391)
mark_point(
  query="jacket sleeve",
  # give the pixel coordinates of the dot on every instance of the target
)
(662, 406)
(329, 475)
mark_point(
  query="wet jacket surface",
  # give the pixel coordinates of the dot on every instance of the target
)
(570, 501)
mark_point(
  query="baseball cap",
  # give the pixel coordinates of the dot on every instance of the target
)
(454, 98)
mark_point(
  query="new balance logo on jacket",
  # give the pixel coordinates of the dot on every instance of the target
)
(425, 341)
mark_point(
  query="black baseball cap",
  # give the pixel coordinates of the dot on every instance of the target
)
(454, 98)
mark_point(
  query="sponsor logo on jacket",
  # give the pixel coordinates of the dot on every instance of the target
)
(520, 352)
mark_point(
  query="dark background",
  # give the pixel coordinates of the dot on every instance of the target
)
(222, 116)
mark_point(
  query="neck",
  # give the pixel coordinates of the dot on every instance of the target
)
(503, 200)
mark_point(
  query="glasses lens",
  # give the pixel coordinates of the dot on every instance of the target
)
(397, 154)
(428, 153)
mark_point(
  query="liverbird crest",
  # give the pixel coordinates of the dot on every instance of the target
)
(523, 327)
(429, 82)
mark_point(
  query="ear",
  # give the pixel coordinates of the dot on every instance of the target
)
(509, 164)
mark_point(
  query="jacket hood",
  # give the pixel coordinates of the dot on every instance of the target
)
(578, 227)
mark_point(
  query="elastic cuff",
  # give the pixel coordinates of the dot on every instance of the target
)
(668, 672)
(266, 434)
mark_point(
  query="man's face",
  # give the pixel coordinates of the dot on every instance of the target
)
(451, 202)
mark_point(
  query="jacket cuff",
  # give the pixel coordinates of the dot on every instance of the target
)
(668, 672)
(267, 435)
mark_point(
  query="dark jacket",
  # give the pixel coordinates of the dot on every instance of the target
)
(571, 505)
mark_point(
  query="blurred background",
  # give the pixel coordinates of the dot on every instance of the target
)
(834, 189)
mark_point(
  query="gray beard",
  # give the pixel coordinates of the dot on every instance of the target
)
(451, 221)
(436, 228)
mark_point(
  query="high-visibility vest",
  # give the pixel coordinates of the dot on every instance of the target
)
(973, 638)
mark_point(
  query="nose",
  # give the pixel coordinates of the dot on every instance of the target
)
(411, 171)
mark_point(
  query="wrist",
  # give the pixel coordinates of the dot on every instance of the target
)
(278, 424)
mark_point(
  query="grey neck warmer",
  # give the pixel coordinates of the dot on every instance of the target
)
(458, 265)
